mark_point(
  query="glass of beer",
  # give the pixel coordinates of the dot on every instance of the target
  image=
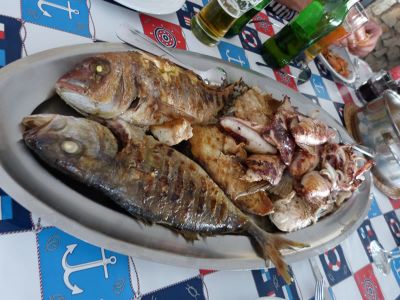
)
(215, 19)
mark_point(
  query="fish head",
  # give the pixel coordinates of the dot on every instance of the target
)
(98, 85)
(68, 143)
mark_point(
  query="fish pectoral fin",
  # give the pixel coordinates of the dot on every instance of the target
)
(189, 236)
(125, 132)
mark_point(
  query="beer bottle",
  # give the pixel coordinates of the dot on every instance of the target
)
(314, 22)
(239, 24)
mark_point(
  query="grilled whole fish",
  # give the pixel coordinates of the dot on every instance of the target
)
(142, 89)
(149, 179)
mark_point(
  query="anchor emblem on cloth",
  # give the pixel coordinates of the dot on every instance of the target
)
(232, 58)
(68, 269)
(320, 88)
(67, 8)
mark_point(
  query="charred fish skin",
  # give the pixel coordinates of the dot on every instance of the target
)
(142, 89)
(175, 191)
(150, 180)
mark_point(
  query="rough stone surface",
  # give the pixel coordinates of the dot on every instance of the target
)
(380, 52)
(392, 42)
(387, 34)
(393, 54)
(379, 45)
(397, 27)
(377, 63)
(380, 6)
(386, 54)
(392, 16)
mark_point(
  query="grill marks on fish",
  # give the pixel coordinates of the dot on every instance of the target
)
(167, 184)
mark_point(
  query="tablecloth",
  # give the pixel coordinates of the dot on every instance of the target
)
(32, 252)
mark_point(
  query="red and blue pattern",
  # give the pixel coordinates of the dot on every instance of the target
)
(13, 217)
(65, 267)
(10, 40)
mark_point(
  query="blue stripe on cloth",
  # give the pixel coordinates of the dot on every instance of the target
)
(2, 58)
(289, 292)
(6, 208)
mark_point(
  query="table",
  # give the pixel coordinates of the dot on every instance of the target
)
(32, 251)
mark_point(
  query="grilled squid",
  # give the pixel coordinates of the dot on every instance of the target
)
(311, 132)
(253, 141)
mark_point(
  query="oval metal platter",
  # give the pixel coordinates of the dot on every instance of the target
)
(25, 86)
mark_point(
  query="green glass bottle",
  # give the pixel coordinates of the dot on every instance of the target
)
(318, 19)
(239, 24)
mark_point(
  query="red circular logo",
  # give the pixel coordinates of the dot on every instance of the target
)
(249, 38)
(165, 37)
(370, 289)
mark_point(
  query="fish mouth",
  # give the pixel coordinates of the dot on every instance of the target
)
(71, 85)
(88, 106)
(35, 121)
(32, 125)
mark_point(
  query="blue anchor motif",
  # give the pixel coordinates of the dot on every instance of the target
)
(75, 269)
(319, 87)
(66, 15)
(67, 8)
(233, 54)
(68, 269)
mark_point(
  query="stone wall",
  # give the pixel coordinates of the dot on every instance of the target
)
(387, 52)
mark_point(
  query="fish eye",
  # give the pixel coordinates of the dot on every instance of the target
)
(101, 67)
(70, 147)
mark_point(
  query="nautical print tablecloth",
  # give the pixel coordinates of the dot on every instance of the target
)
(40, 261)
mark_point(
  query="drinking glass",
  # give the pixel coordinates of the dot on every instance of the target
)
(355, 19)
(382, 258)
(215, 19)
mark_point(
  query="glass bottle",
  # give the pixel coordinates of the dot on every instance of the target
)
(318, 19)
(240, 23)
(354, 20)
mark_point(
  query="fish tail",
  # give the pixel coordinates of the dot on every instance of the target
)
(270, 245)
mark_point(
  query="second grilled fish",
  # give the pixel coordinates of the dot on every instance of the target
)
(150, 180)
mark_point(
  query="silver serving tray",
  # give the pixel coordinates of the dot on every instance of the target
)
(27, 83)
